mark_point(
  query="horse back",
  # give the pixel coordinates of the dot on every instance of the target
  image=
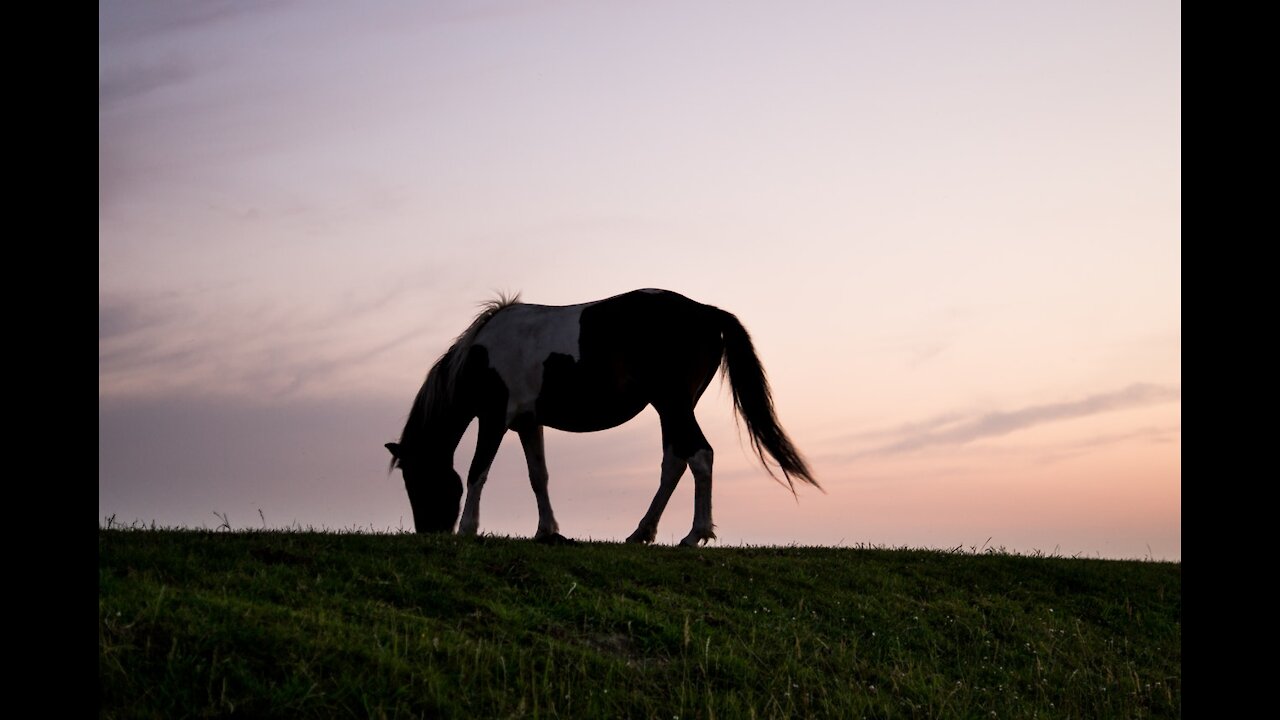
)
(596, 365)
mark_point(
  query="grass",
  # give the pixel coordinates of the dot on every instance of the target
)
(305, 624)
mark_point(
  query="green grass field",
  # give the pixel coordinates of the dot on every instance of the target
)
(304, 624)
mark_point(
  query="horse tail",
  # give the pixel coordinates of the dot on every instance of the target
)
(754, 403)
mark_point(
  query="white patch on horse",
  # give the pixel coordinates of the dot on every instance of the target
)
(703, 527)
(520, 338)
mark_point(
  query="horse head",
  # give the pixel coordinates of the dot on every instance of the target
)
(435, 490)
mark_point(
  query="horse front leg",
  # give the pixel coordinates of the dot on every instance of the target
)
(672, 468)
(487, 444)
(535, 456)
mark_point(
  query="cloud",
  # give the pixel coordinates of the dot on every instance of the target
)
(914, 428)
(119, 84)
(125, 21)
(219, 342)
(955, 430)
(121, 315)
(1152, 435)
(922, 353)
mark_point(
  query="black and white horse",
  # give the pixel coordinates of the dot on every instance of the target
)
(583, 368)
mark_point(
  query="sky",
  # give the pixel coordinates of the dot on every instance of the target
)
(953, 230)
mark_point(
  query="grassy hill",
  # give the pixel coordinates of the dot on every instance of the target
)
(293, 624)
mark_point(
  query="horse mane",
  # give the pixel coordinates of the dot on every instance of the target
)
(437, 391)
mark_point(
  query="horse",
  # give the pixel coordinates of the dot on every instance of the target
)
(584, 368)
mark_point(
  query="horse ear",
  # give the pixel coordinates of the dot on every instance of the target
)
(394, 448)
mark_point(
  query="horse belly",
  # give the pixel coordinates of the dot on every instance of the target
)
(583, 419)
(575, 399)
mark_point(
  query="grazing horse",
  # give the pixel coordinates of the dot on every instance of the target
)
(583, 368)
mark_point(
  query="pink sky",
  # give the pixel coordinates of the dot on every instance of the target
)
(953, 230)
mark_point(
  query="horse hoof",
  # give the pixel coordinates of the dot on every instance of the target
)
(697, 540)
(555, 539)
(642, 536)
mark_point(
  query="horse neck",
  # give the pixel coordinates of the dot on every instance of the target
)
(440, 414)
(440, 439)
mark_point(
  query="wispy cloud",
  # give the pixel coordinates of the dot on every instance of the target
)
(1152, 435)
(127, 21)
(957, 429)
(225, 345)
(912, 428)
(125, 83)
(924, 352)
(119, 315)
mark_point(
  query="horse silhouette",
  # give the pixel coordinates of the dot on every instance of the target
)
(584, 368)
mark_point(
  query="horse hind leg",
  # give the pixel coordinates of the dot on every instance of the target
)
(703, 528)
(672, 468)
(684, 445)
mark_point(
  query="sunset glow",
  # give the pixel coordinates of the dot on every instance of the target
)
(953, 231)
